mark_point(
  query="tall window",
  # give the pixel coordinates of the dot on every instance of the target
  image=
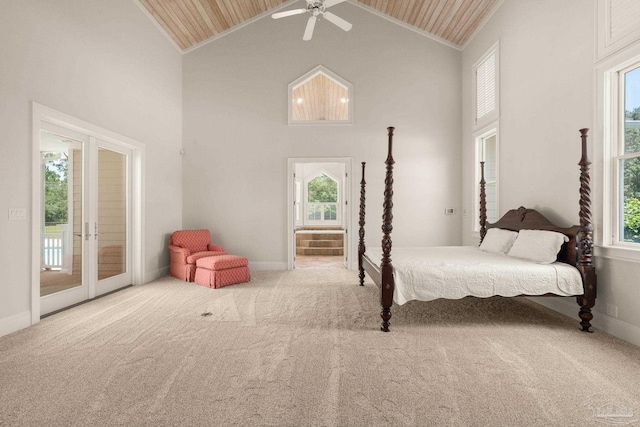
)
(487, 152)
(486, 71)
(626, 156)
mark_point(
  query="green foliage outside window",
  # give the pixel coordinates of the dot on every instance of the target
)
(632, 220)
(322, 189)
(56, 190)
(632, 181)
(330, 212)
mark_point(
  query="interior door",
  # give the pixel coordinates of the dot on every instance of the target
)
(345, 213)
(297, 215)
(86, 217)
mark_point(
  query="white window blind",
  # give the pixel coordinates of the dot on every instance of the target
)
(624, 16)
(486, 86)
(618, 25)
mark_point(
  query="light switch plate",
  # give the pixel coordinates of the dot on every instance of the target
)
(17, 214)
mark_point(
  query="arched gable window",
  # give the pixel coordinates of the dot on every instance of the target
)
(323, 199)
(320, 97)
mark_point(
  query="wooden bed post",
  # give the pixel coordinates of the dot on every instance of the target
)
(483, 204)
(386, 268)
(585, 240)
(361, 247)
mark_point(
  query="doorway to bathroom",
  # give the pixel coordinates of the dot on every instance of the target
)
(320, 216)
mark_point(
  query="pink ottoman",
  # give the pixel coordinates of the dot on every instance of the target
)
(222, 270)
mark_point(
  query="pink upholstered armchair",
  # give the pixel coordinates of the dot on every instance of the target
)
(186, 247)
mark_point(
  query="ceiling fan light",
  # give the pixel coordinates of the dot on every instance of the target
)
(317, 9)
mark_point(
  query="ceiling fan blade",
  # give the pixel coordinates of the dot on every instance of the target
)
(308, 32)
(337, 21)
(288, 13)
(329, 3)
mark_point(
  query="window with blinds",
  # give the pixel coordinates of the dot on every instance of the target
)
(486, 85)
(618, 25)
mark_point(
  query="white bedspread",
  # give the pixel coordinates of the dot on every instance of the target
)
(454, 272)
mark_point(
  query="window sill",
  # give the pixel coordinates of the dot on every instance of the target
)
(621, 253)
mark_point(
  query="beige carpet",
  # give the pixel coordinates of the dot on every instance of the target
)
(302, 348)
(319, 261)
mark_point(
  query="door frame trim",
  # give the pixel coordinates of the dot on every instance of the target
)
(291, 162)
(41, 113)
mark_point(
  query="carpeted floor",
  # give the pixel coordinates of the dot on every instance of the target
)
(302, 348)
(319, 261)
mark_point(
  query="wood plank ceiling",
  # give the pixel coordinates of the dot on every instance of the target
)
(320, 98)
(190, 22)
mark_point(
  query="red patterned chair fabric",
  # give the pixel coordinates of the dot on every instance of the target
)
(222, 270)
(186, 247)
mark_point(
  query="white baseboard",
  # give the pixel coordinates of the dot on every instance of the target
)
(150, 276)
(14, 323)
(258, 266)
(601, 321)
(617, 328)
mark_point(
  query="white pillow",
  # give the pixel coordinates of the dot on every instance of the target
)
(538, 246)
(498, 241)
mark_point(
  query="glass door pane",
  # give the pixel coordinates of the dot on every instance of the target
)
(85, 221)
(62, 211)
(111, 226)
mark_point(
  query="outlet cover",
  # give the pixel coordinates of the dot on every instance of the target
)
(17, 214)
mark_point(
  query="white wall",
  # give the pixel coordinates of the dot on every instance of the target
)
(101, 62)
(237, 140)
(547, 88)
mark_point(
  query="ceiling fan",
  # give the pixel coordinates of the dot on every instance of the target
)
(317, 8)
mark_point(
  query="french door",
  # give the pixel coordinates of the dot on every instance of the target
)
(85, 223)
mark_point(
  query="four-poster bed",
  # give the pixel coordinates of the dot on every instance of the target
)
(456, 272)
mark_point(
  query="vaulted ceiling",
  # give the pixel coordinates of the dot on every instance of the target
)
(191, 22)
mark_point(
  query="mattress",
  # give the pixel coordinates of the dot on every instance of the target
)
(454, 272)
